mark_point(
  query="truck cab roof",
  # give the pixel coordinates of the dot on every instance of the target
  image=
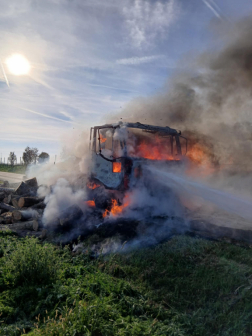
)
(160, 130)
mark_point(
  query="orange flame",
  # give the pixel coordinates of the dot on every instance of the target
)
(102, 139)
(154, 152)
(116, 209)
(202, 157)
(198, 155)
(92, 185)
(105, 214)
(91, 203)
(117, 167)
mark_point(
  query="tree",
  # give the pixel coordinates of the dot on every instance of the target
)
(30, 155)
(12, 158)
(43, 157)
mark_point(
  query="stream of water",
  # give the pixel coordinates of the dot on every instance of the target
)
(222, 199)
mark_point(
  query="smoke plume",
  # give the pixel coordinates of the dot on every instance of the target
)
(210, 102)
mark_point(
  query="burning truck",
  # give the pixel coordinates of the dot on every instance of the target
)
(119, 153)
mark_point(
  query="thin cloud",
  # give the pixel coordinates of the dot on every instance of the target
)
(66, 114)
(41, 82)
(26, 137)
(138, 60)
(46, 115)
(146, 20)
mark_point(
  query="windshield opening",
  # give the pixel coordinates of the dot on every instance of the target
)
(138, 143)
(152, 145)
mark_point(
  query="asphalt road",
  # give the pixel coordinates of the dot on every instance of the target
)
(11, 177)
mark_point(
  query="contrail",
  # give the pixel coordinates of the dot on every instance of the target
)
(46, 115)
(5, 77)
(41, 82)
(215, 5)
(211, 7)
(114, 88)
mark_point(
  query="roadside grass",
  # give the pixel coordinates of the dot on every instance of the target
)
(186, 286)
(13, 169)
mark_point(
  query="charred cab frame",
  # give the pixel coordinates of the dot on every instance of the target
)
(115, 173)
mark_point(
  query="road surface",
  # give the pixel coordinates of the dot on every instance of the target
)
(11, 177)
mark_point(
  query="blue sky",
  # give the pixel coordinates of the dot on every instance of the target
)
(90, 58)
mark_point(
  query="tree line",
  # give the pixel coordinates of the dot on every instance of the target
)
(30, 155)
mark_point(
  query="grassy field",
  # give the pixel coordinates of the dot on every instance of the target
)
(13, 169)
(186, 286)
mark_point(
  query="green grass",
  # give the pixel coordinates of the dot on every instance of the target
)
(186, 286)
(13, 169)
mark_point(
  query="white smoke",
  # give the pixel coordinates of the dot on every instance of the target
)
(61, 197)
(30, 213)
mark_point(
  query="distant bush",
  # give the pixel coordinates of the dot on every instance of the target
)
(18, 169)
(30, 263)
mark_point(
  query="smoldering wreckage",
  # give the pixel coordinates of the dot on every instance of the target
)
(121, 196)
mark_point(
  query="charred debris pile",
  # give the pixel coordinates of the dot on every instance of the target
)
(21, 211)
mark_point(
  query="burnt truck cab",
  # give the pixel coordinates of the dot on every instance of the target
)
(118, 152)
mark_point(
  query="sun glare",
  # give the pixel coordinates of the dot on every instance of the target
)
(18, 65)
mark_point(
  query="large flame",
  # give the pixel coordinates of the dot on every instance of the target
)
(154, 152)
(116, 209)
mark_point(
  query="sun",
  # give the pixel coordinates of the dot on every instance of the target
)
(18, 65)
